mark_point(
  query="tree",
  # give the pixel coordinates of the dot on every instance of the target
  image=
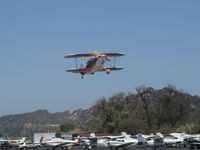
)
(147, 111)
(173, 108)
(66, 127)
(1, 134)
(144, 93)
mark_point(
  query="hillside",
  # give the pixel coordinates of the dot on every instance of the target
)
(40, 121)
(164, 107)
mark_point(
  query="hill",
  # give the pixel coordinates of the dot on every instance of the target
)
(40, 121)
(146, 111)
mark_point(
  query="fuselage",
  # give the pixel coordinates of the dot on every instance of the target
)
(94, 65)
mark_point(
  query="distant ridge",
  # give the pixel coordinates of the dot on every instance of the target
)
(40, 121)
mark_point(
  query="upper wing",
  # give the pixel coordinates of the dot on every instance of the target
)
(93, 54)
(113, 54)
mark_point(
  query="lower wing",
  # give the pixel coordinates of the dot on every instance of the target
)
(75, 70)
(79, 70)
(111, 69)
(87, 70)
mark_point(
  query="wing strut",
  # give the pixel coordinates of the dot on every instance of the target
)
(76, 62)
(114, 62)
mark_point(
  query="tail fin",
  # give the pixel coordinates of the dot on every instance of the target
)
(22, 140)
(125, 135)
(159, 134)
(92, 135)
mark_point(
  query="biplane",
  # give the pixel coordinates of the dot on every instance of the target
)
(95, 64)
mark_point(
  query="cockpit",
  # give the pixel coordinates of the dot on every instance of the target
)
(90, 62)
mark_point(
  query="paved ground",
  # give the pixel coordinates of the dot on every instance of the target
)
(98, 148)
(128, 148)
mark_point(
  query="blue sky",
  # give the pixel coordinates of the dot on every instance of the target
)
(160, 40)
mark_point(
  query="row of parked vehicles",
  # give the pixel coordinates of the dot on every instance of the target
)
(124, 141)
(157, 140)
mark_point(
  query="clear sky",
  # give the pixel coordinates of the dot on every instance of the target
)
(161, 40)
